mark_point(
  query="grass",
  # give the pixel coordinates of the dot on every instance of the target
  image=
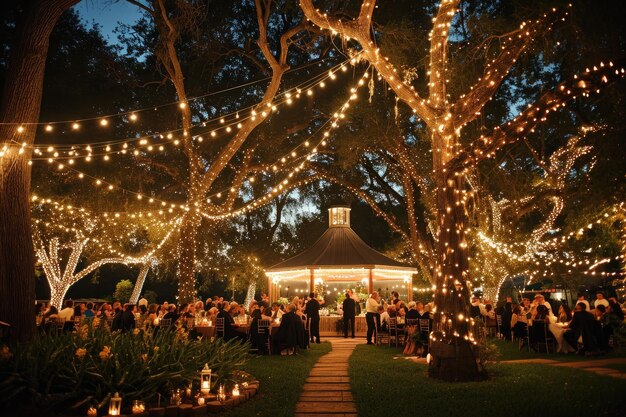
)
(510, 351)
(382, 385)
(282, 379)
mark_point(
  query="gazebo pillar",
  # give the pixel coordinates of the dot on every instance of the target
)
(312, 281)
(370, 282)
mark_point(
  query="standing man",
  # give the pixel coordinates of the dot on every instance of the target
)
(349, 313)
(312, 311)
(371, 316)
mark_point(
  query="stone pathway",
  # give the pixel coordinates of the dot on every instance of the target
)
(326, 391)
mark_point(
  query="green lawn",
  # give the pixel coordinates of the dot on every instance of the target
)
(383, 385)
(282, 379)
(510, 351)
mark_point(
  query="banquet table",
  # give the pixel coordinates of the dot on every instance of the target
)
(207, 332)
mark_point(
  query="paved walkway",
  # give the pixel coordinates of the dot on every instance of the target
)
(326, 391)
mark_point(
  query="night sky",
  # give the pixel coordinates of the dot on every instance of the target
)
(108, 14)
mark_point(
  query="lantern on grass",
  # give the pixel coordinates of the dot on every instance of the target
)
(236, 391)
(205, 380)
(138, 407)
(92, 412)
(221, 394)
(115, 405)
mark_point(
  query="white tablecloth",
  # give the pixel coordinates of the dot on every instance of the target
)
(558, 330)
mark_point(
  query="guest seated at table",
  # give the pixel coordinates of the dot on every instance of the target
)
(89, 312)
(384, 319)
(49, 317)
(601, 301)
(519, 323)
(422, 312)
(507, 314)
(276, 312)
(229, 322)
(613, 319)
(599, 311)
(290, 335)
(412, 314)
(583, 324)
(581, 299)
(565, 314)
(67, 313)
(172, 314)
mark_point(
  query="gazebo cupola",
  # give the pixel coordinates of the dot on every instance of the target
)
(339, 256)
(339, 216)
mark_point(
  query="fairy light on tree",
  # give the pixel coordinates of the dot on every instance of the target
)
(452, 347)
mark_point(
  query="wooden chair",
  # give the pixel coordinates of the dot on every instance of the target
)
(264, 332)
(394, 333)
(165, 323)
(425, 330)
(219, 327)
(380, 335)
(499, 326)
(543, 337)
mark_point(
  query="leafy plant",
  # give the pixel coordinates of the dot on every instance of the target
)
(71, 370)
(123, 290)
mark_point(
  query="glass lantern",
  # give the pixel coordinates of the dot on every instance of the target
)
(115, 405)
(205, 380)
(236, 390)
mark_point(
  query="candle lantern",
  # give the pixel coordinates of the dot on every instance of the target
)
(176, 398)
(138, 407)
(236, 391)
(200, 400)
(115, 405)
(221, 394)
(188, 391)
(205, 380)
(92, 412)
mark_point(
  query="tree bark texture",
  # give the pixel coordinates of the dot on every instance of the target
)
(21, 103)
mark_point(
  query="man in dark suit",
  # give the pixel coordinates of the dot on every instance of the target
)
(312, 311)
(583, 324)
(128, 318)
(349, 313)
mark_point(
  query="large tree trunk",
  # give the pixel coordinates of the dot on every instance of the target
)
(187, 258)
(454, 355)
(21, 103)
(141, 279)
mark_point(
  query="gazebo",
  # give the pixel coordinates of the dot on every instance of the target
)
(339, 257)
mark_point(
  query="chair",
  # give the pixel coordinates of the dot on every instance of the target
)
(540, 331)
(523, 338)
(491, 325)
(380, 335)
(499, 326)
(265, 335)
(410, 323)
(165, 323)
(219, 327)
(425, 330)
(393, 332)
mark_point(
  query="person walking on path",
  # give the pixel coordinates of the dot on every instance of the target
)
(372, 317)
(312, 311)
(349, 314)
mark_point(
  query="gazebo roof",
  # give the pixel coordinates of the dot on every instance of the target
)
(339, 247)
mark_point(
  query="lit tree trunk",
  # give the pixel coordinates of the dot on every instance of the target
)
(141, 279)
(187, 258)
(60, 280)
(453, 353)
(21, 103)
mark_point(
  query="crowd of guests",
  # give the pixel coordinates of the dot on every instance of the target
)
(295, 322)
(587, 329)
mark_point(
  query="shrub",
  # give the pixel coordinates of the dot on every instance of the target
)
(123, 291)
(68, 371)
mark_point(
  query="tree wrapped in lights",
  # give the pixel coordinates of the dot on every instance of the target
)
(453, 352)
